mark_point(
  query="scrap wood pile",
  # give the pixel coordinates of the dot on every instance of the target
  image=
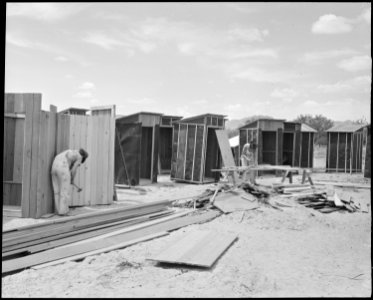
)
(76, 237)
(317, 198)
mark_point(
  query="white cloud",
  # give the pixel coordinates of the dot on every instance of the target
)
(61, 58)
(142, 101)
(87, 86)
(320, 56)
(240, 7)
(331, 24)
(311, 103)
(44, 11)
(356, 63)
(261, 75)
(102, 40)
(83, 94)
(366, 15)
(285, 94)
(246, 34)
(357, 84)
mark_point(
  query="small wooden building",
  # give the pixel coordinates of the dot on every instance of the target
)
(166, 131)
(367, 166)
(195, 150)
(279, 142)
(32, 139)
(136, 147)
(344, 148)
(74, 111)
(267, 135)
(307, 139)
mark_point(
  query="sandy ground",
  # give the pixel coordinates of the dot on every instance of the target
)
(296, 252)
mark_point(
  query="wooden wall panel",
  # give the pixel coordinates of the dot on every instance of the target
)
(189, 161)
(175, 146)
(197, 169)
(180, 161)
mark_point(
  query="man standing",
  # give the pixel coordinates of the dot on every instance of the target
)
(248, 159)
(63, 172)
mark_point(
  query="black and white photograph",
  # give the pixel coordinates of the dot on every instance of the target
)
(187, 150)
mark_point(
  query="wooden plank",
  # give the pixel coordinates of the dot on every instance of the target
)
(12, 211)
(337, 166)
(9, 102)
(225, 151)
(69, 237)
(41, 173)
(8, 155)
(132, 209)
(62, 252)
(95, 135)
(40, 232)
(18, 149)
(14, 116)
(198, 248)
(103, 250)
(343, 184)
(51, 154)
(27, 154)
(232, 201)
(88, 163)
(82, 171)
(111, 159)
(105, 156)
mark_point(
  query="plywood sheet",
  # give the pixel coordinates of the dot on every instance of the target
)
(235, 201)
(198, 248)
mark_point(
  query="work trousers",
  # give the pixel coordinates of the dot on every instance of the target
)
(61, 179)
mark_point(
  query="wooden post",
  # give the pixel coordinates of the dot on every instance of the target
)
(351, 153)
(186, 148)
(337, 153)
(203, 154)
(328, 154)
(346, 154)
(309, 164)
(194, 151)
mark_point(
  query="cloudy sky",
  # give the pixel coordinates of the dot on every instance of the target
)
(238, 59)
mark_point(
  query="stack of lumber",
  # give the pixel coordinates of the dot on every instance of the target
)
(325, 204)
(291, 188)
(256, 190)
(73, 238)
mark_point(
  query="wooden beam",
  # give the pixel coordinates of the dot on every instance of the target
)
(62, 252)
(103, 250)
(14, 115)
(186, 148)
(194, 151)
(337, 163)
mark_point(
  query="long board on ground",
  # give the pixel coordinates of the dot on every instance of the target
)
(198, 248)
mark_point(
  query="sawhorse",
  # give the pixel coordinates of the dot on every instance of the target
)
(306, 175)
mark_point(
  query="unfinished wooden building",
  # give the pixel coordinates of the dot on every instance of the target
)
(307, 140)
(33, 137)
(166, 131)
(195, 150)
(367, 154)
(279, 142)
(143, 147)
(344, 148)
(74, 111)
